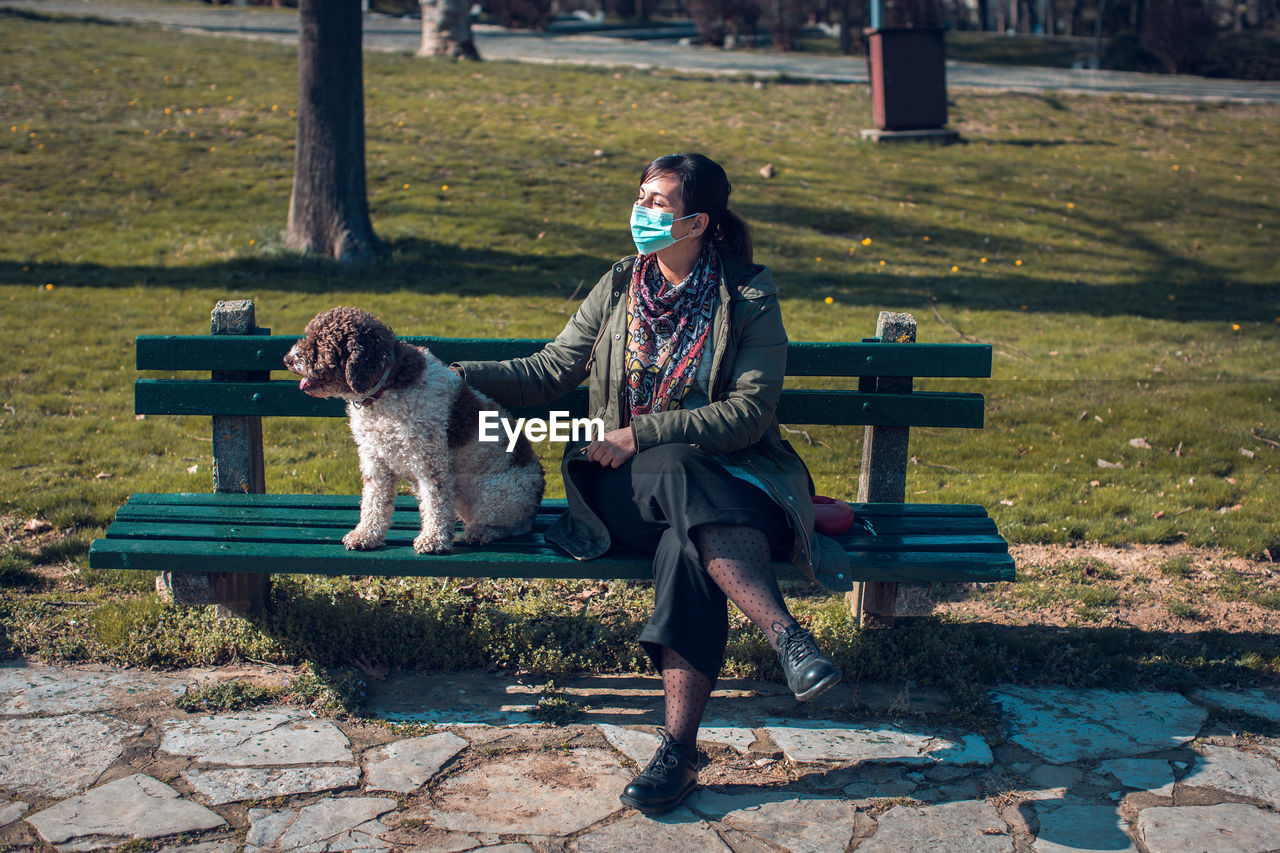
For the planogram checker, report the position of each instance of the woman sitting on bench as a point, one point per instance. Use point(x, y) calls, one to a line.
point(686, 352)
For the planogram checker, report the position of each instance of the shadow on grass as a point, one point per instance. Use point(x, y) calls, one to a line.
point(1162, 284)
point(407, 264)
point(419, 266)
point(1049, 143)
point(56, 18)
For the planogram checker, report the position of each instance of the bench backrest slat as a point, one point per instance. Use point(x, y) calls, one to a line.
point(797, 406)
point(804, 358)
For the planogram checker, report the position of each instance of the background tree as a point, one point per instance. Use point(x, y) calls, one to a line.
point(984, 14)
point(329, 209)
point(1179, 33)
point(851, 15)
point(446, 29)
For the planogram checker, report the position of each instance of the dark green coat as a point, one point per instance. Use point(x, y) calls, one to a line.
point(748, 362)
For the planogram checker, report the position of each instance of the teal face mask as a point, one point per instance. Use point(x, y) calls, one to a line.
point(651, 229)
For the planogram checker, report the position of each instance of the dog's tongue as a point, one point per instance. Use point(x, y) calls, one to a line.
point(304, 384)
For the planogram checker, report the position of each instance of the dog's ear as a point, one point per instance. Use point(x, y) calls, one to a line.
point(370, 349)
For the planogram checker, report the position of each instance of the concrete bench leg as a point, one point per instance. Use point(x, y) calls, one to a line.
point(235, 593)
point(882, 477)
point(237, 467)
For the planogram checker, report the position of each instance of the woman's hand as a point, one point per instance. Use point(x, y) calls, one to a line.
point(614, 449)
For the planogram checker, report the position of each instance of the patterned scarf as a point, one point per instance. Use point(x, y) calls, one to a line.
point(667, 330)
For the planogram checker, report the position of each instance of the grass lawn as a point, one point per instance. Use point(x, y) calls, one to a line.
point(1118, 254)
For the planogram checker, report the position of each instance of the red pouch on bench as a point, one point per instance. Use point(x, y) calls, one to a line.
point(830, 516)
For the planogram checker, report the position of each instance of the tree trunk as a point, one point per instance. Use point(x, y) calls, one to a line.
point(329, 209)
point(1097, 34)
point(446, 29)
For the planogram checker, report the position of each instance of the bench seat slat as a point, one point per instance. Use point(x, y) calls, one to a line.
point(797, 405)
point(343, 511)
point(403, 535)
point(398, 561)
point(804, 358)
point(408, 519)
point(407, 502)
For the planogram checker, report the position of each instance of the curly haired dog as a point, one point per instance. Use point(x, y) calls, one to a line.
point(414, 418)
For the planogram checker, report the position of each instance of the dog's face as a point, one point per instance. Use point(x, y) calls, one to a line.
point(345, 353)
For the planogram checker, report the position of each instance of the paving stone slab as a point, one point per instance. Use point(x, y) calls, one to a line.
point(136, 806)
point(1064, 726)
point(575, 789)
point(59, 756)
point(675, 832)
point(1153, 775)
point(887, 790)
point(1234, 771)
point(1051, 781)
point(465, 699)
point(1225, 828)
point(830, 741)
point(886, 781)
point(1258, 703)
point(336, 824)
point(258, 738)
point(738, 738)
point(634, 744)
point(967, 789)
point(1082, 829)
point(796, 822)
point(256, 783)
point(37, 689)
point(11, 811)
point(968, 826)
point(406, 765)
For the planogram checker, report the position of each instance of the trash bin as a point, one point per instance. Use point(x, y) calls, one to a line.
point(908, 78)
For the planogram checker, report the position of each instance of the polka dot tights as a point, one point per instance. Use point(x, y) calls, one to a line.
point(737, 559)
point(685, 692)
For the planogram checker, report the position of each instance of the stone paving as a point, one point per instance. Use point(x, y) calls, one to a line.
point(94, 757)
point(572, 45)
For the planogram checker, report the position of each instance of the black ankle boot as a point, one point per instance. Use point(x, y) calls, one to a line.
point(808, 671)
point(672, 773)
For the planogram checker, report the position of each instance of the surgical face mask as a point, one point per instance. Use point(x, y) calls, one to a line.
point(651, 229)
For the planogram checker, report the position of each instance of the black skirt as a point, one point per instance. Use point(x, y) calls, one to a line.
point(650, 504)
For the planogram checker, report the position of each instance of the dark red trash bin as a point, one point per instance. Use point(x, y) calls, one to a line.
point(908, 78)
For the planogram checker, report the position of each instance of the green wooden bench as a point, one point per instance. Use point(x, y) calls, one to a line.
point(219, 547)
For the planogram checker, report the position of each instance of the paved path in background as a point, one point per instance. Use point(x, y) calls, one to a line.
point(578, 48)
point(91, 757)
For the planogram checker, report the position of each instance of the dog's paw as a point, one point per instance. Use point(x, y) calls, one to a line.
point(426, 543)
point(362, 540)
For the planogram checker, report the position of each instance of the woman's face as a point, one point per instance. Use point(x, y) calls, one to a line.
point(661, 192)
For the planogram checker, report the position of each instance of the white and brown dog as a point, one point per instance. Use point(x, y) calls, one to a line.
point(415, 419)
